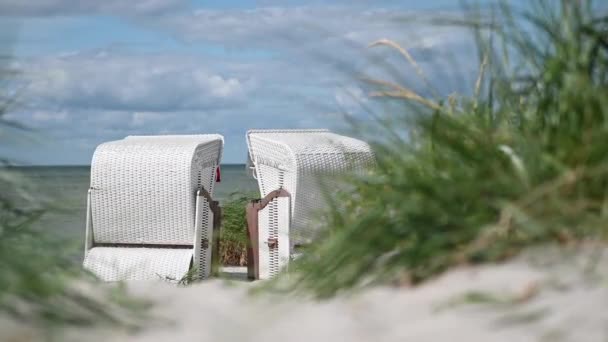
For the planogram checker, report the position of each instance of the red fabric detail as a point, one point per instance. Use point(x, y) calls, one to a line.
point(218, 174)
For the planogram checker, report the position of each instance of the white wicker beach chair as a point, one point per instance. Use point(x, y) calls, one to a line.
point(289, 166)
point(150, 212)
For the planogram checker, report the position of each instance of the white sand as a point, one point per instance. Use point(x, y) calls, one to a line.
point(549, 298)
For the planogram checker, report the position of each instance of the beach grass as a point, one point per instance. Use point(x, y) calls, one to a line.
point(467, 179)
point(233, 240)
point(40, 284)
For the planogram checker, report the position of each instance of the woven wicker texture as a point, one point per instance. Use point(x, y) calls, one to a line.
point(114, 264)
point(299, 161)
point(275, 218)
point(143, 191)
point(143, 188)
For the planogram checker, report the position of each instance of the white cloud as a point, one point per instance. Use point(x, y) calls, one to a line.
point(298, 27)
point(71, 7)
point(45, 117)
point(322, 44)
point(350, 97)
point(279, 68)
point(130, 82)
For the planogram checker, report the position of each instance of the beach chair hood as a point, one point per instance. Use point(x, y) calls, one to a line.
point(302, 163)
point(144, 209)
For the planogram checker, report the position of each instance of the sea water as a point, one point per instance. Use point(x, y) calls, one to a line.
point(63, 191)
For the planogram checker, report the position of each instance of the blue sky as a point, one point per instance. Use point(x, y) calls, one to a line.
point(93, 71)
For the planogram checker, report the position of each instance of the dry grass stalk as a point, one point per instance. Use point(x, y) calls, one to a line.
point(406, 95)
point(482, 68)
point(409, 58)
point(400, 92)
point(233, 254)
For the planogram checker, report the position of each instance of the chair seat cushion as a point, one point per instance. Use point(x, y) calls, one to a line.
point(136, 263)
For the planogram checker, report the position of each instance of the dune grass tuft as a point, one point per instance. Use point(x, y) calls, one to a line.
point(471, 179)
point(233, 241)
point(40, 283)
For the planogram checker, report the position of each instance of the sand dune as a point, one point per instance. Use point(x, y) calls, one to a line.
point(547, 296)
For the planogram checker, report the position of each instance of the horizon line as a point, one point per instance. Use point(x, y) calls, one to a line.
point(88, 165)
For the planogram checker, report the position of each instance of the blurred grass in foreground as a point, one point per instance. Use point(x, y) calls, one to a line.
point(39, 282)
point(523, 161)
